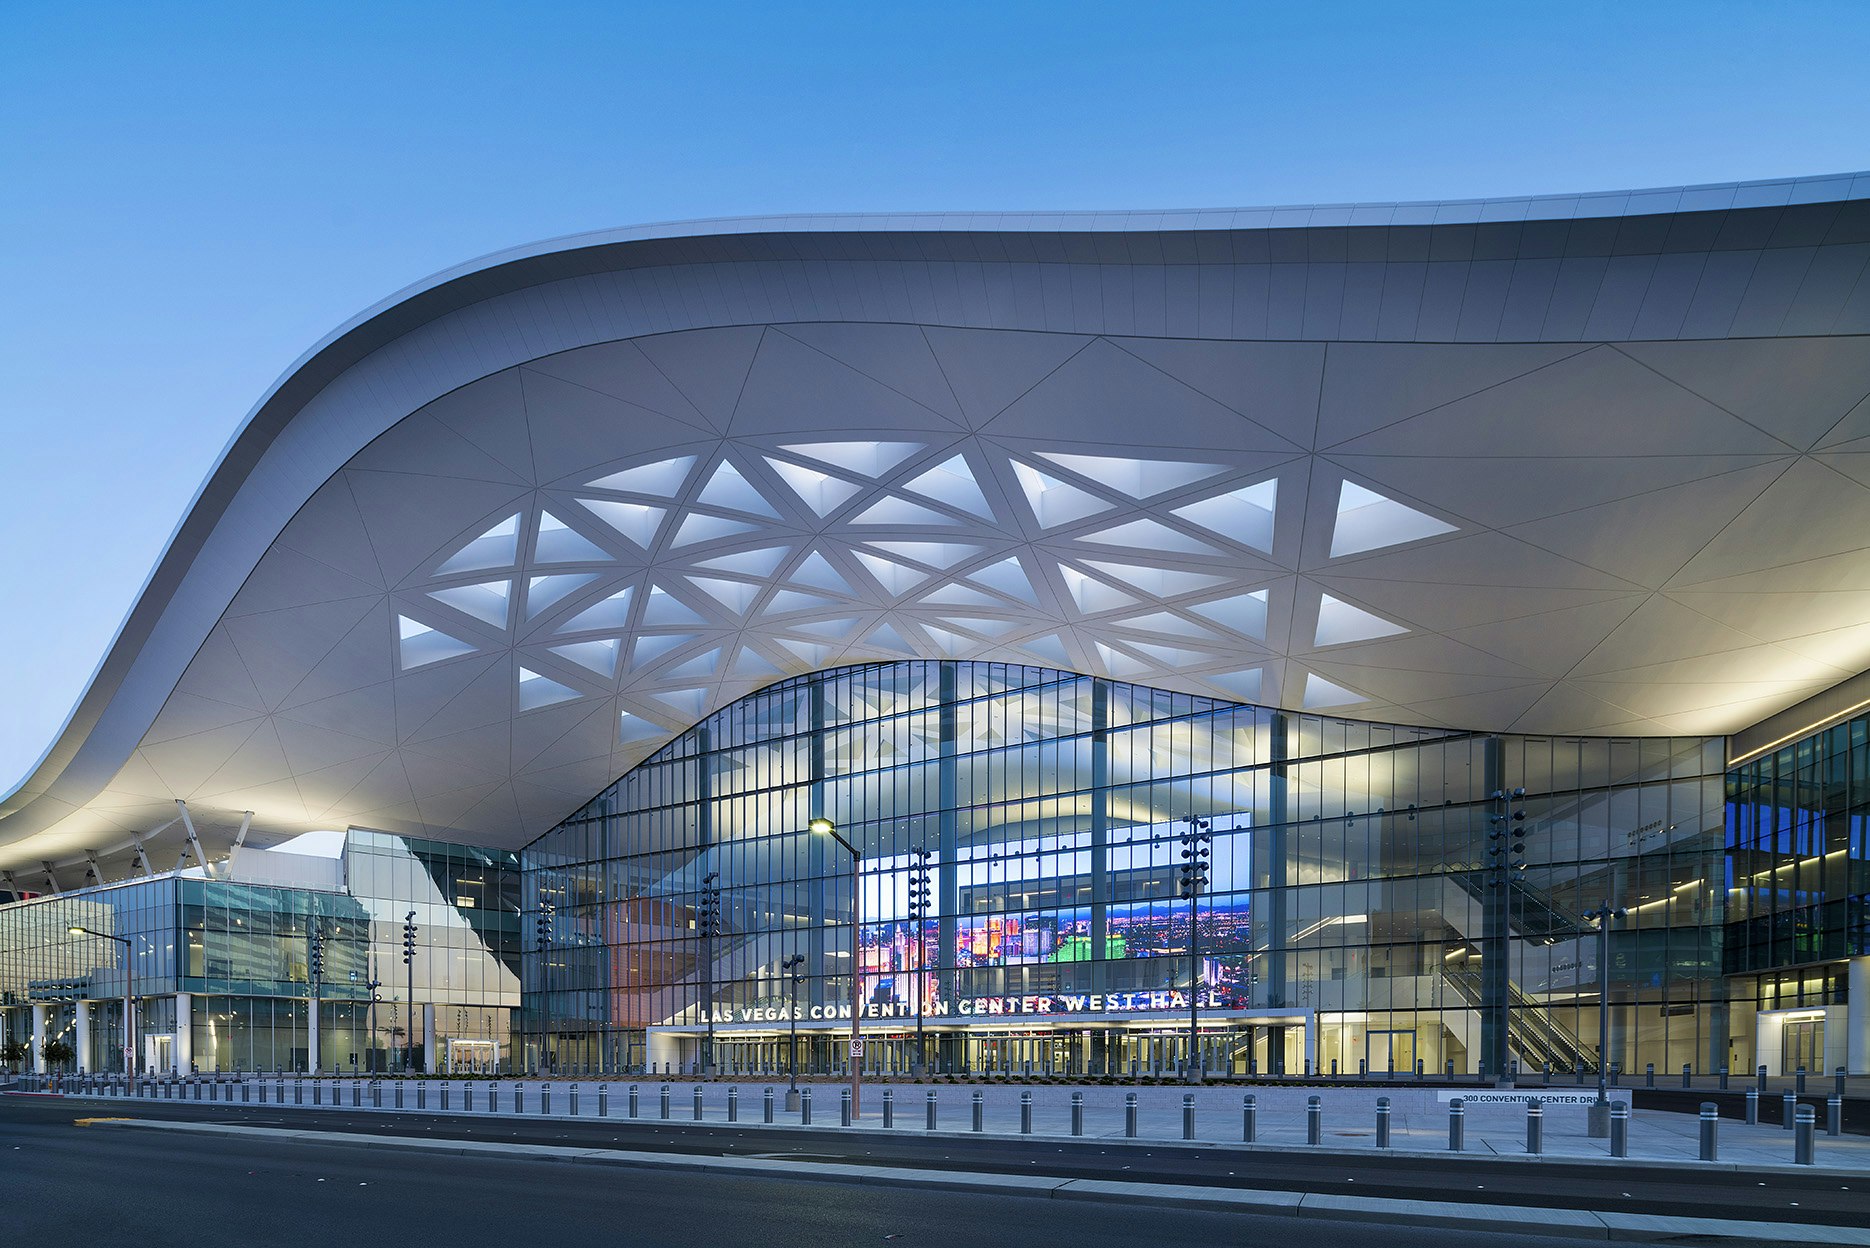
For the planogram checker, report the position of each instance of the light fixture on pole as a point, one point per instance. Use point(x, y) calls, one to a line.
point(822, 826)
point(1197, 850)
point(546, 912)
point(793, 966)
point(708, 921)
point(129, 992)
point(315, 966)
point(1599, 1124)
point(409, 964)
point(920, 900)
point(1506, 868)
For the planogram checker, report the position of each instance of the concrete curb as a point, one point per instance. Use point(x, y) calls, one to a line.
point(1577, 1223)
point(1476, 1151)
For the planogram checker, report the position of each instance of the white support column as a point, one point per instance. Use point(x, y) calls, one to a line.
point(240, 839)
point(428, 1037)
point(184, 1047)
point(50, 879)
point(311, 1037)
point(194, 841)
point(1857, 1029)
point(82, 1046)
point(38, 1038)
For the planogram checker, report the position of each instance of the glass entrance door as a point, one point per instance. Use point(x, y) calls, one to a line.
point(1388, 1051)
point(1803, 1046)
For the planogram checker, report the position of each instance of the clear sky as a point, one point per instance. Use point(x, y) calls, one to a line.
point(191, 194)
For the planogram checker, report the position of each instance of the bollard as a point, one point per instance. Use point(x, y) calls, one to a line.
point(1188, 1115)
point(662, 1101)
point(1649, 1075)
point(697, 1100)
point(1685, 1076)
point(1077, 1113)
point(1383, 1122)
point(1314, 1120)
point(979, 1110)
point(1723, 1078)
point(1788, 1107)
point(399, 1095)
point(1450, 1074)
point(298, 1091)
point(1619, 1129)
point(318, 1092)
point(889, 1107)
point(603, 1100)
point(444, 1097)
point(246, 1092)
point(572, 1099)
point(1249, 1118)
point(1798, 1081)
point(1025, 1113)
point(1804, 1151)
point(632, 1098)
point(1840, 1081)
point(1834, 1115)
point(805, 1107)
point(262, 1091)
point(519, 1098)
point(422, 1097)
point(1710, 1131)
point(1759, 1079)
point(1578, 1070)
point(1753, 1107)
point(931, 1109)
point(1457, 1125)
point(1535, 1126)
point(733, 1104)
point(766, 1106)
point(1129, 1115)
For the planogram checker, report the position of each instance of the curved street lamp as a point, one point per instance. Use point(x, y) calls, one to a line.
point(821, 826)
point(129, 991)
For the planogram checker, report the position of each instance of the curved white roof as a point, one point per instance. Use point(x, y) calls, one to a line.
point(1572, 465)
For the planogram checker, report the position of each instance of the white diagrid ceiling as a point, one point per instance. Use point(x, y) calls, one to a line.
point(520, 588)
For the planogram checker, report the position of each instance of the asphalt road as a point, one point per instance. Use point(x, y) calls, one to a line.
point(84, 1186)
point(1814, 1197)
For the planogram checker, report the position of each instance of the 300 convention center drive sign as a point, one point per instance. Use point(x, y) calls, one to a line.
point(985, 1007)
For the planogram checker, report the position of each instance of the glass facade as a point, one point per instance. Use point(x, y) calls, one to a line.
point(1798, 893)
point(1349, 916)
point(224, 972)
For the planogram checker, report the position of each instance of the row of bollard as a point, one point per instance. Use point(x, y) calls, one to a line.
point(1800, 1119)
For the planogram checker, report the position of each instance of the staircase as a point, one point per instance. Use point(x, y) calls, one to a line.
point(1531, 1031)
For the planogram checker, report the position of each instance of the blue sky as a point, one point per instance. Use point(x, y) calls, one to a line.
point(197, 192)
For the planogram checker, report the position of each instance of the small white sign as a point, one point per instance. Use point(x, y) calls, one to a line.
point(1518, 1098)
point(857, 1048)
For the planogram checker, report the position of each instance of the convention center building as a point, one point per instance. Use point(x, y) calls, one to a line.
point(1335, 638)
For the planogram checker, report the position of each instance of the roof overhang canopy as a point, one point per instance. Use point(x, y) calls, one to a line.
point(1593, 465)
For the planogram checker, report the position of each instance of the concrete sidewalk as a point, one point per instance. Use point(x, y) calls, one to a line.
point(1419, 1116)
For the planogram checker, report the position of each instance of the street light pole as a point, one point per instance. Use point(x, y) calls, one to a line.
point(709, 920)
point(409, 964)
point(791, 967)
point(919, 894)
point(1600, 1111)
point(129, 992)
point(824, 826)
point(315, 956)
point(370, 1039)
point(1197, 847)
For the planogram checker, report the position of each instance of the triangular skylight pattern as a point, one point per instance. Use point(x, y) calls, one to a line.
point(1367, 520)
point(498, 547)
point(820, 491)
point(1135, 478)
point(419, 645)
point(728, 489)
point(486, 601)
point(1244, 515)
point(537, 692)
point(952, 482)
point(662, 479)
point(870, 459)
point(1056, 502)
point(1321, 693)
point(639, 522)
point(544, 592)
point(558, 542)
point(599, 657)
point(612, 613)
point(1340, 623)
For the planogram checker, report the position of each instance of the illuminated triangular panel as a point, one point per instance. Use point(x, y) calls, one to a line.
point(952, 482)
point(1320, 693)
point(816, 572)
point(699, 527)
point(612, 612)
point(736, 596)
point(758, 562)
point(536, 691)
point(899, 512)
point(636, 728)
point(1244, 613)
point(1137, 478)
point(1339, 623)
point(662, 607)
point(1244, 515)
point(1093, 595)
point(1367, 520)
point(652, 647)
point(820, 491)
point(1158, 582)
point(894, 577)
point(486, 601)
point(1056, 502)
point(942, 555)
point(871, 459)
point(599, 656)
point(498, 547)
point(728, 489)
point(542, 592)
point(637, 522)
point(662, 479)
point(1009, 577)
point(419, 645)
point(1147, 534)
point(558, 542)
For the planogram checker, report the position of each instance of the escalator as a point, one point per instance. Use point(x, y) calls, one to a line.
point(1531, 1031)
